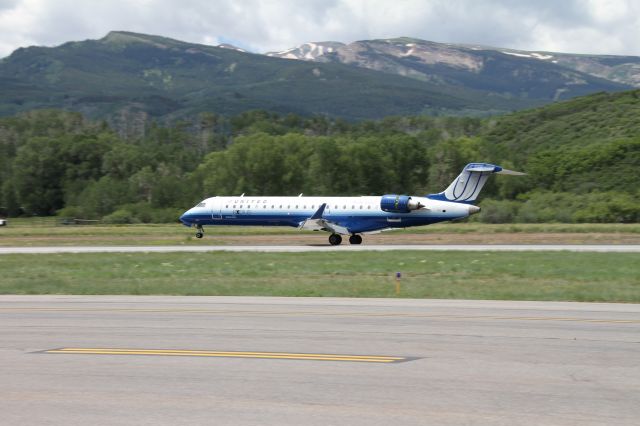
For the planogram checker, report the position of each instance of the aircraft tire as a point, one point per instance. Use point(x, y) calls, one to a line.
point(335, 239)
point(355, 239)
point(199, 235)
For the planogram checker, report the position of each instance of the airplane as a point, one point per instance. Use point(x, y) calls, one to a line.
point(351, 216)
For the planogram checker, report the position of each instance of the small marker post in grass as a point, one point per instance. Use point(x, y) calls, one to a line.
point(398, 276)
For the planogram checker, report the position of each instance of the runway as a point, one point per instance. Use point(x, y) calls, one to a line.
point(618, 248)
point(126, 360)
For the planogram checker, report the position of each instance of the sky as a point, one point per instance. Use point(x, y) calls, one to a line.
point(573, 26)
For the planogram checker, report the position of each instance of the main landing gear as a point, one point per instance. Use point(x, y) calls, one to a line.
point(335, 239)
point(355, 239)
point(199, 232)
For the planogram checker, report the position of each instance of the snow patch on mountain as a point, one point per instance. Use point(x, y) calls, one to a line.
point(308, 51)
point(533, 55)
point(541, 56)
point(230, 47)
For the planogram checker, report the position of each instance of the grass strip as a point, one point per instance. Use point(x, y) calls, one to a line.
point(24, 232)
point(561, 276)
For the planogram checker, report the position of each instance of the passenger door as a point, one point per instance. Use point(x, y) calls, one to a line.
point(216, 207)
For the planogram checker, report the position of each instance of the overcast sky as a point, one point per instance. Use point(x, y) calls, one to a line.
point(576, 26)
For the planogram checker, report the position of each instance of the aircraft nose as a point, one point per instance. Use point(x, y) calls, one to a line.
point(473, 210)
point(185, 219)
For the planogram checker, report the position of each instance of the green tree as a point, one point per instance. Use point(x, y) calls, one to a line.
point(448, 158)
point(38, 176)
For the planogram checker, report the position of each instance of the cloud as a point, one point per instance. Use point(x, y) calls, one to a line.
point(8, 4)
point(587, 26)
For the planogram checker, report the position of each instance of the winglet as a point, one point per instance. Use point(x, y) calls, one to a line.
point(318, 214)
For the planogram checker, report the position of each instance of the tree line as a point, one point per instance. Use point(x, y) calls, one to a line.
point(60, 163)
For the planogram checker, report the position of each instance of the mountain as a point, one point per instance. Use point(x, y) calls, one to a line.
point(619, 69)
point(129, 79)
point(519, 74)
point(622, 69)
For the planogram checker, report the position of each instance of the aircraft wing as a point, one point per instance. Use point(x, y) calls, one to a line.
point(317, 223)
point(377, 231)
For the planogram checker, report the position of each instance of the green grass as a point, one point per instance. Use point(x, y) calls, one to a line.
point(601, 277)
point(24, 232)
point(52, 224)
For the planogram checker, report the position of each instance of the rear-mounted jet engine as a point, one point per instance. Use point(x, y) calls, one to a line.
point(399, 204)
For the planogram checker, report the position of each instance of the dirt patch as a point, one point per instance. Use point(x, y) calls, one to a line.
point(321, 238)
point(390, 239)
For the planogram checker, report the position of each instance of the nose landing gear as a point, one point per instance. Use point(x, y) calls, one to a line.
point(199, 232)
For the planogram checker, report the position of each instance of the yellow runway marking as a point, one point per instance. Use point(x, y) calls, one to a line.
point(230, 354)
point(327, 314)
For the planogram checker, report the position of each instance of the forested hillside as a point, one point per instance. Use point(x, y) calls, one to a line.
point(582, 158)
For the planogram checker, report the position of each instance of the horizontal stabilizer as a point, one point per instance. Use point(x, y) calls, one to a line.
point(510, 172)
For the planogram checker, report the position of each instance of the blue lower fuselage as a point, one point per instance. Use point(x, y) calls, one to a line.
point(356, 224)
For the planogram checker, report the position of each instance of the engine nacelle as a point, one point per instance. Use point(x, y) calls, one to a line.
point(398, 204)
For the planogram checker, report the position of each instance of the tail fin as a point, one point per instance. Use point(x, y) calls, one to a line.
point(466, 187)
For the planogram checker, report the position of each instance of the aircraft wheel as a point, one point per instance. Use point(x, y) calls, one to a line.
point(199, 235)
point(355, 239)
point(335, 239)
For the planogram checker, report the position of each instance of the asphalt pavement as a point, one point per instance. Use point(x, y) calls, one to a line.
point(127, 360)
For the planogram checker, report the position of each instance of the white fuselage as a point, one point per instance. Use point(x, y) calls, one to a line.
point(355, 214)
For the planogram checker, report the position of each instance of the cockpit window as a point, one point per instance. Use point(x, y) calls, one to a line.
point(201, 204)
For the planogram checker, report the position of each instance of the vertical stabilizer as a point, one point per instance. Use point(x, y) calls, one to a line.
point(467, 186)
